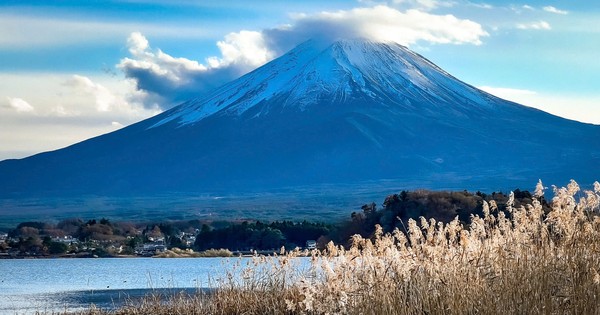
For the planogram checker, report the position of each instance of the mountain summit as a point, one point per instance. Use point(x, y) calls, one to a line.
point(340, 73)
point(345, 112)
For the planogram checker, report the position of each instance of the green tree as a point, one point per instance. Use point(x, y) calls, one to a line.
point(271, 238)
point(57, 248)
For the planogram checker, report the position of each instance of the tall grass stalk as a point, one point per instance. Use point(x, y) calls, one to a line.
point(523, 261)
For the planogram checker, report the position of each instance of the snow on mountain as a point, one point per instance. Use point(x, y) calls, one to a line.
point(308, 74)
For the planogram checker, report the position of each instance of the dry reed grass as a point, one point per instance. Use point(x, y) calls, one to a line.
point(521, 262)
point(188, 253)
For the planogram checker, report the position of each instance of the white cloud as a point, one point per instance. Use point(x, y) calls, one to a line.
point(164, 80)
point(158, 61)
point(527, 7)
point(104, 99)
point(383, 23)
point(245, 48)
point(539, 25)
point(19, 104)
point(552, 9)
point(138, 44)
point(167, 80)
point(117, 124)
point(388, 24)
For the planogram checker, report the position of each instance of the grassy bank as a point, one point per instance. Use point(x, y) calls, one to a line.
point(522, 261)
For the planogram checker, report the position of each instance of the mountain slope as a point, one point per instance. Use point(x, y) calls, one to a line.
point(344, 112)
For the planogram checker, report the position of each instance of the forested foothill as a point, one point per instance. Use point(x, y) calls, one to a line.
point(103, 237)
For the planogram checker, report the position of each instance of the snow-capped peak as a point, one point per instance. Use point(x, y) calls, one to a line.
point(343, 70)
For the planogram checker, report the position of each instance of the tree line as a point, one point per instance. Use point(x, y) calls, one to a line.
point(394, 212)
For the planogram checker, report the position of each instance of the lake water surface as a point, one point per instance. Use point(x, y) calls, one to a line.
point(29, 285)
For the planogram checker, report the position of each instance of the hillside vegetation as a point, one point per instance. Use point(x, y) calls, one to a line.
point(522, 261)
point(107, 237)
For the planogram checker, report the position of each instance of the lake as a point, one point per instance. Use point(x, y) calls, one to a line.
point(29, 285)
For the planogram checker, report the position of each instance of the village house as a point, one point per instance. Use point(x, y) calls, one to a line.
point(67, 239)
point(149, 249)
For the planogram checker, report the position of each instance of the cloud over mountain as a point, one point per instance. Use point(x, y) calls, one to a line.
point(170, 80)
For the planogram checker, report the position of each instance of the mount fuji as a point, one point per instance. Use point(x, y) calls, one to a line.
point(347, 112)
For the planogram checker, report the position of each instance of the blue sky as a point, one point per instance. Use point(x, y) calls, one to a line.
point(71, 70)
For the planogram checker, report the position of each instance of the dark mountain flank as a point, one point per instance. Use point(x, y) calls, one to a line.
point(341, 113)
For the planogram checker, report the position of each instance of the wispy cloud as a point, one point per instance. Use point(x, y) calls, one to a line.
point(28, 31)
point(486, 6)
point(104, 98)
point(539, 25)
point(521, 8)
point(117, 124)
point(528, 7)
point(552, 9)
point(61, 111)
point(19, 104)
point(425, 5)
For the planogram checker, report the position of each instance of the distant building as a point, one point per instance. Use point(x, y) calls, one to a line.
point(188, 239)
point(68, 239)
point(156, 238)
point(149, 249)
point(311, 244)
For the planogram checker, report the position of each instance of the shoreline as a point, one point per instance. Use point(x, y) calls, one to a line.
point(16, 257)
point(70, 256)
